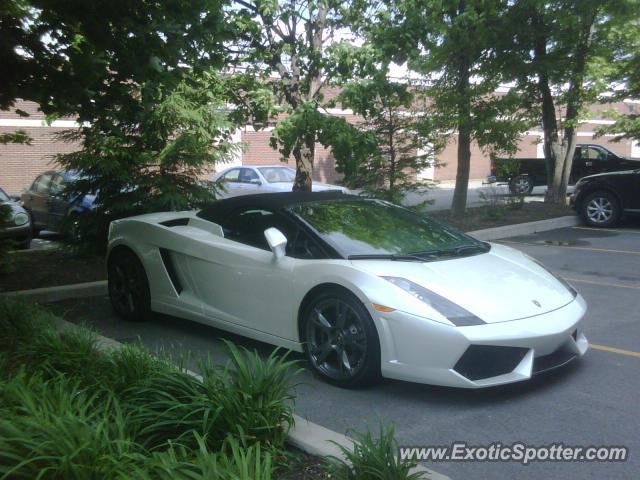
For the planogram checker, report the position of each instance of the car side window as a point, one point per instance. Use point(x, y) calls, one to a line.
point(304, 247)
point(595, 154)
point(231, 176)
point(247, 226)
point(41, 185)
point(247, 175)
point(57, 185)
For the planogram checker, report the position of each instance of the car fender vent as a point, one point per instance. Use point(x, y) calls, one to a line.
point(486, 361)
point(171, 270)
point(176, 222)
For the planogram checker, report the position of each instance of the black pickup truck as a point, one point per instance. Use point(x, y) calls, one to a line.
point(522, 174)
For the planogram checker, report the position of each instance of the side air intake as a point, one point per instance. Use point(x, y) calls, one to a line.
point(171, 269)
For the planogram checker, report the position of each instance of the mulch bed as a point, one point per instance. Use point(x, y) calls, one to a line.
point(479, 218)
point(49, 268)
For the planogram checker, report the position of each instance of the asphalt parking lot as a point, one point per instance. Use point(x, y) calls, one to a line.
point(592, 402)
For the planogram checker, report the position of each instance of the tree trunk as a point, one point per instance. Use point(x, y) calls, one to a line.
point(304, 154)
point(459, 204)
point(557, 191)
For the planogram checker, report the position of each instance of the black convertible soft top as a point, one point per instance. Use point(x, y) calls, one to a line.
point(271, 201)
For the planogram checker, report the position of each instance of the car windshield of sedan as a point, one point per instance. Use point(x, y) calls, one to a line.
point(278, 174)
point(360, 229)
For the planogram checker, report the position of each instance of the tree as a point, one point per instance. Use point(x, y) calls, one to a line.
point(153, 162)
point(562, 56)
point(450, 44)
point(400, 141)
point(287, 46)
point(143, 79)
point(624, 73)
point(80, 58)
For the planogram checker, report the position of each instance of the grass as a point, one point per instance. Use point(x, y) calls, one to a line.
point(71, 411)
point(372, 459)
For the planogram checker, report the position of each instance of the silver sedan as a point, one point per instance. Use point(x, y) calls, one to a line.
point(246, 180)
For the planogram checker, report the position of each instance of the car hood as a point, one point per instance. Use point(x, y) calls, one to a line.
point(497, 286)
point(611, 174)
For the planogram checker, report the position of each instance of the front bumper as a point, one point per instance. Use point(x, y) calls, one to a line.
point(19, 234)
point(420, 350)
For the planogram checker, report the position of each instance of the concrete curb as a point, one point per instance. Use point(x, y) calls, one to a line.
point(304, 435)
point(525, 228)
point(62, 292)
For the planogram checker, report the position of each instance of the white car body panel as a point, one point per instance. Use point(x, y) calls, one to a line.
point(250, 292)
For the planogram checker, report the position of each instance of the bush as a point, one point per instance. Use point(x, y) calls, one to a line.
point(372, 459)
point(68, 410)
point(51, 428)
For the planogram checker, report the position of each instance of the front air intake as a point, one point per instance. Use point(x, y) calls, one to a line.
point(486, 361)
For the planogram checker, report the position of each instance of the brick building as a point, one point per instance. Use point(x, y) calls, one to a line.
point(20, 164)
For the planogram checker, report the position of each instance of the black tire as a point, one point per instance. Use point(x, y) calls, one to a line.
point(340, 339)
point(128, 286)
point(600, 209)
point(521, 185)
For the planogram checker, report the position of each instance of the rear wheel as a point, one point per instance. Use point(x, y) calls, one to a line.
point(600, 209)
point(128, 286)
point(341, 341)
point(521, 185)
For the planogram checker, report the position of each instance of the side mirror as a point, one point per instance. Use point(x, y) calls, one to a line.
point(255, 181)
point(276, 240)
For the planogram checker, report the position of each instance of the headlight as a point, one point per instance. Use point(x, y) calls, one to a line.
point(454, 313)
point(566, 284)
point(20, 219)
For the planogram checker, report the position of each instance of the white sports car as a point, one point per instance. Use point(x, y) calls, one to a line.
point(365, 288)
point(250, 180)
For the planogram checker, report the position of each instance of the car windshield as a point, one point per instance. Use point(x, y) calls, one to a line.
point(4, 197)
point(278, 174)
point(363, 229)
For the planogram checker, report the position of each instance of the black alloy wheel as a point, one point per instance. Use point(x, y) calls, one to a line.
point(341, 341)
point(128, 286)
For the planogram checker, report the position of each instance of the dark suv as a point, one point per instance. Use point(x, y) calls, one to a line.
point(49, 206)
point(602, 200)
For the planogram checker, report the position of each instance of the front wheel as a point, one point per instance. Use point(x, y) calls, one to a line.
point(521, 185)
point(128, 286)
point(600, 209)
point(341, 341)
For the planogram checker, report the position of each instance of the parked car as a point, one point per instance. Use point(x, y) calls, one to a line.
point(522, 174)
point(263, 179)
point(18, 226)
point(602, 200)
point(50, 206)
point(364, 287)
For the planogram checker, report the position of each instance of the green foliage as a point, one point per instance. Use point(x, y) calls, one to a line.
point(292, 40)
point(451, 45)
point(19, 137)
point(151, 161)
point(372, 459)
point(68, 410)
point(54, 429)
point(396, 140)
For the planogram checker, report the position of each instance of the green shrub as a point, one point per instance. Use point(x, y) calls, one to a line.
point(255, 395)
point(50, 428)
point(179, 463)
point(372, 459)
